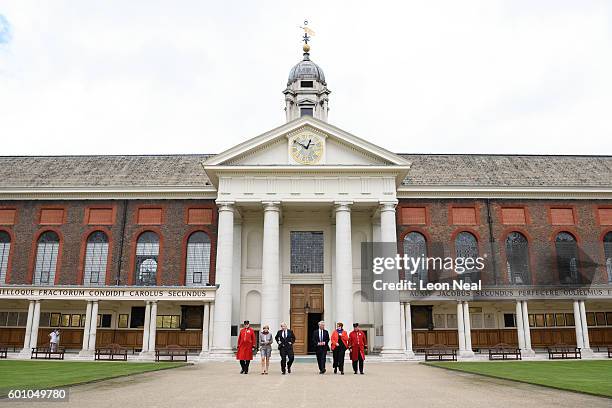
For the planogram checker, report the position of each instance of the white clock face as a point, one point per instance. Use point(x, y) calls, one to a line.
point(307, 148)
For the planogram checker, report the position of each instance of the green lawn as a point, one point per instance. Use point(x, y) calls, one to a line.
point(586, 376)
point(45, 374)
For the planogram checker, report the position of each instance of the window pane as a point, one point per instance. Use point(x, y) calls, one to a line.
point(122, 323)
point(569, 319)
point(560, 319)
point(509, 320)
point(307, 252)
point(46, 258)
point(415, 247)
point(96, 258)
point(567, 258)
point(517, 258)
point(466, 246)
point(147, 252)
point(5, 249)
point(198, 259)
point(550, 320)
point(590, 317)
point(607, 243)
point(600, 318)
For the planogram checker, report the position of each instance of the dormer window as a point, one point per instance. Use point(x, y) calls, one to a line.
point(307, 84)
point(306, 111)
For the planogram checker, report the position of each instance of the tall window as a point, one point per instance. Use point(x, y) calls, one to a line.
point(96, 259)
point(415, 247)
point(567, 258)
point(198, 259)
point(517, 258)
point(466, 246)
point(5, 249)
point(46, 258)
point(147, 255)
point(607, 243)
point(306, 252)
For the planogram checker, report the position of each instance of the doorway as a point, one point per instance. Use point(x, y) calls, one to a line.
point(306, 312)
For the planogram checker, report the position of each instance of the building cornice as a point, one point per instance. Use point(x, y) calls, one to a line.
point(108, 193)
point(584, 193)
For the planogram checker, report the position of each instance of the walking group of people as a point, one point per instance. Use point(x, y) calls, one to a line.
point(340, 339)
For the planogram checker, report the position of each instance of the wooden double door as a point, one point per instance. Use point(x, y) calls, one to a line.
point(306, 311)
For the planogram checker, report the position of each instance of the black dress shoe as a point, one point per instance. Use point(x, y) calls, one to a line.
point(289, 370)
point(355, 372)
point(283, 372)
point(335, 370)
point(241, 371)
point(361, 373)
point(324, 371)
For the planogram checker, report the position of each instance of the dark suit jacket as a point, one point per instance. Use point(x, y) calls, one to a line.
point(285, 343)
point(315, 339)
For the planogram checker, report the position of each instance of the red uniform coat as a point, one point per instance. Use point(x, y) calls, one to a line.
point(334, 339)
point(357, 343)
point(246, 342)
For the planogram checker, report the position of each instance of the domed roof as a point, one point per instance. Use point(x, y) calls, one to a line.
point(306, 69)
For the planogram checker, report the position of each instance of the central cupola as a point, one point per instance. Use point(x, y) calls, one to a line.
point(306, 93)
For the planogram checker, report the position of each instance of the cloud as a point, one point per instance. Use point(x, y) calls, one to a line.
point(5, 30)
point(142, 77)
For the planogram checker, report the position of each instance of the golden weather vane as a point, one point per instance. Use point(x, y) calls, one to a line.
point(307, 34)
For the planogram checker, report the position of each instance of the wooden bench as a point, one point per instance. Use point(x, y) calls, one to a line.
point(564, 352)
point(503, 351)
point(47, 354)
point(440, 352)
point(171, 351)
point(3, 351)
point(111, 352)
point(609, 351)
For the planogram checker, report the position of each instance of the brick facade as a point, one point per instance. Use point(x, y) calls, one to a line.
point(440, 231)
point(123, 233)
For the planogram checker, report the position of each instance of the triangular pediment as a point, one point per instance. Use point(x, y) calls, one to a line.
point(272, 148)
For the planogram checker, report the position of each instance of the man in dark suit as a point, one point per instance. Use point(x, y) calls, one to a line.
point(320, 339)
point(285, 339)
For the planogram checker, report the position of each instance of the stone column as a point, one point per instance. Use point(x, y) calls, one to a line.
point(468, 330)
point(153, 327)
point(403, 325)
point(585, 329)
point(527, 330)
point(28, 331)
point(222, 339)
point(578, 324)
point(93, 328)
point(270, 277)
point(147, 326)
point(520, 333)
point(460, 327)
point(408, 325)
point(392, 346)
point(85, 347)
point(35, 324)
point(211, 326)
point(205, 329)
point(344, 266)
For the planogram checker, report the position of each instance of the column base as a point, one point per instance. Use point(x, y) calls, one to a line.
point(393, 354)
point(86, 353)
point(466, 354)
point(586, 353)
point(25, 353)
point(527, 353)
point(410, 355)
point(146, 356)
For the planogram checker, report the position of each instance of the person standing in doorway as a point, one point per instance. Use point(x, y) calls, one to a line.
point(320, 339)
point(339, 345)
point(246, 343)
point(265, 348)
point(285, 339)
point(357, 344)
point(54, 338)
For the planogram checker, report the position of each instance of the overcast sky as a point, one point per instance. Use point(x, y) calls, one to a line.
point(130, 77)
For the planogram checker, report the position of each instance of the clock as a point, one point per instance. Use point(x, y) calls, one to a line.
point(306, 148)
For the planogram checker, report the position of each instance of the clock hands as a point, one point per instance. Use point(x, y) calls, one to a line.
point(304, 146)
point(309, 143)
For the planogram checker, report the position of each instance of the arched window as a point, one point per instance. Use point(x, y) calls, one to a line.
point(517, 258)
point(198, 259)
point(46, 258)
point(96, 259)
point(415, 247)
point(466, 246)
point(607, 243)
point(147, 255)
point(567, 258)
point(5, 250)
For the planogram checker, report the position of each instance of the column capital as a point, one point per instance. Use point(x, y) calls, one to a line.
point(226, 206)
point(271, 205)
point(387, 205)
point(342, 205)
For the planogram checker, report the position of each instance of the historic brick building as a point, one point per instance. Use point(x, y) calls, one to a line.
point(147, 251)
